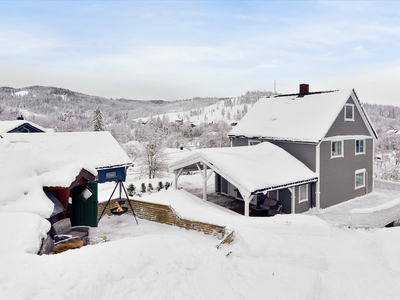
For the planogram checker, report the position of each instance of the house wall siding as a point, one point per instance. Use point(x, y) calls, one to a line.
point(337, 180)
point(303, 152)
point(306, 205)
point(237, 142)
point(341, 127)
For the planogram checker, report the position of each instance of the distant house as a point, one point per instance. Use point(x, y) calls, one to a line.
point(311, 149)
point(21, 126)
point(69, 166)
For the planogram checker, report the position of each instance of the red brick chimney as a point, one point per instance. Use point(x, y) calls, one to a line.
point(304, 88)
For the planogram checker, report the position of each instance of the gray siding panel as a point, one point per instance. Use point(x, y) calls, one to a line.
point(342, 127)
point(337, 181)
point(304, 152)
point(237, 142)
point(306, 205)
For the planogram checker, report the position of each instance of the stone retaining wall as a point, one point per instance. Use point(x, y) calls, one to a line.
point(164, 214)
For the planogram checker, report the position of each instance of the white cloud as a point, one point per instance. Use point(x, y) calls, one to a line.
point(18, 41)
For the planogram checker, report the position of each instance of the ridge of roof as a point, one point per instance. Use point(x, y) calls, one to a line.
point(302, 95)
point(283, 118)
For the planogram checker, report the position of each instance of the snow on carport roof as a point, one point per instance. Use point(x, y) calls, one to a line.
point(306, 118)
point(251, 168)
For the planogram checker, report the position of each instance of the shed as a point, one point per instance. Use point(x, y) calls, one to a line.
point(67, 164)
point(21, 126)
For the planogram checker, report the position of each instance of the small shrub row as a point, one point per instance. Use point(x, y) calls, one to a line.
point(149, 188)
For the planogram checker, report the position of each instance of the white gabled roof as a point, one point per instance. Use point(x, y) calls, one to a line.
point(6, 126)
point(293, 118)
point(97, 149)
point(251, 169)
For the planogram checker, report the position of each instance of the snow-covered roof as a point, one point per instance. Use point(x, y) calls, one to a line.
point(97, 149)
point(29, 162)
point(251, 169)
point(7, 126)
point(306, 118)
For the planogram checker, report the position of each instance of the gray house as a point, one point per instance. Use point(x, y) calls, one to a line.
point(322, 155)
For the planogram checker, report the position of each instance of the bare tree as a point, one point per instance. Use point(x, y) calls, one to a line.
point(150, 151)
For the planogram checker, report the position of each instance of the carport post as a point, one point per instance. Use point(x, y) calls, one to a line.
point(293, 198)
point(247, 205)
point(205, 177)
point(177, 174)
point(204, 182)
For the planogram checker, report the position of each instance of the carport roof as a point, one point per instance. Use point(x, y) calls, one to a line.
point(251, 169)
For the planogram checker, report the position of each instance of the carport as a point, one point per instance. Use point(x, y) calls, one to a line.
point(251, 169)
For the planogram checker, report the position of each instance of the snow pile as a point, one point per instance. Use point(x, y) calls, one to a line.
point(21, 232)
point(26, 170)
point(389, 244)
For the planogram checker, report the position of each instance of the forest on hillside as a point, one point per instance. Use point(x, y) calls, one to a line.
point(144, 121)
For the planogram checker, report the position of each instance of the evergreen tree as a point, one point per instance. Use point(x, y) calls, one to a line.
point(97, 120)
point(143, 187)
point(131, 190)
point(149, 187)
point(160, 186)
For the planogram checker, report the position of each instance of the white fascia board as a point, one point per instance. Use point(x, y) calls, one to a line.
point(347, 137)
point(184, 162)
point(364, 116)
point(275, 139)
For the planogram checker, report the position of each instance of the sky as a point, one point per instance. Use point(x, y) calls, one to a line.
point(173, 50)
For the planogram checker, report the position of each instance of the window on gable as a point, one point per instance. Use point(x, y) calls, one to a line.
point(360, 147)
point(337, 149)
point(303, 193)
point(360, 178)
point(349, 112)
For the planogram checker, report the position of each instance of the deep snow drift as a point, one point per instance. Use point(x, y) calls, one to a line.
point(284, 257)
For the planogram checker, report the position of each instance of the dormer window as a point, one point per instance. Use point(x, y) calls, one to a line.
point(349, 112)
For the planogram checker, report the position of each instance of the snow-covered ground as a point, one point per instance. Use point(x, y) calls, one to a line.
point(284, 257)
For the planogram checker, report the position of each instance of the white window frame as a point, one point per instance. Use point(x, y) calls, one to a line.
point(254, 142)
point(299, 193)
point(357, 172)
point(342, 148)
point(352, 112)
point(363, 146)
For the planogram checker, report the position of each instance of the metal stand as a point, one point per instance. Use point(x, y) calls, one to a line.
point(121, 186)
